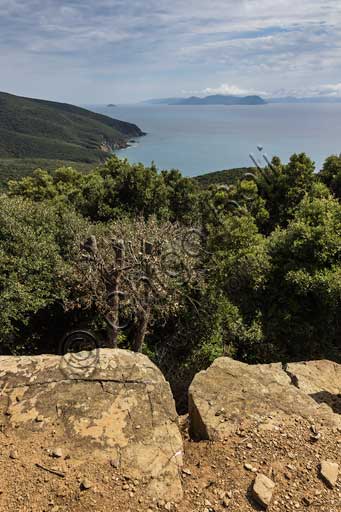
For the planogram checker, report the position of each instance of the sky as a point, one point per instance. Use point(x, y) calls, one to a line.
point(123, 51)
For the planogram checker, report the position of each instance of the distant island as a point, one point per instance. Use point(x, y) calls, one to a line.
point(111, 105)
point(31, 128)
point(216, 99)
point(221, 99)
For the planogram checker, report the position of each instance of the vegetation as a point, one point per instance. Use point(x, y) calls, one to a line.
point(14, 168)
point(31, 128)
point(157, 262)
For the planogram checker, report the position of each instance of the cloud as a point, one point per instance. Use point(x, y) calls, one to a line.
point(226, 89)
point(125, 50)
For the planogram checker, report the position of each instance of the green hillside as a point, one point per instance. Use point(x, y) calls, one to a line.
point(226, 177)
point(31, 128)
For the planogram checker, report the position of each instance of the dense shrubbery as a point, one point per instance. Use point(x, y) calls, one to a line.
point(263, 282)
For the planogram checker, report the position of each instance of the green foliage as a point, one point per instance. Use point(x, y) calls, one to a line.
point(36, 250)
point(269, 259)
point(303, 292)
point(113, 190)
point(331, 174)
point(16, 168)
point(283, 187)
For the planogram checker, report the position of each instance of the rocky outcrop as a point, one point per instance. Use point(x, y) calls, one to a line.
point(119, 408)
point(231, 393)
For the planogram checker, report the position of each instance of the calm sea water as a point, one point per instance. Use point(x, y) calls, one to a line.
point(200, 139)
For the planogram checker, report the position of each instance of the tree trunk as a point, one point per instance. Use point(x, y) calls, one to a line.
point(141, 330)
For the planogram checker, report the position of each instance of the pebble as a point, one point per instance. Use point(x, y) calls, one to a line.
point(85, 484)
point(57, 453)
point(13, 454)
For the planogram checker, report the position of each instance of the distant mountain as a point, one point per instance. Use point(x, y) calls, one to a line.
point(31, 128)
point(217, 99)
point(111, 105)
point(313, 99)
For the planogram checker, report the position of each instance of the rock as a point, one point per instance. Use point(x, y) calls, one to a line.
point(57, 453)
point(321, 380)
point(85, 484)
point(100, 407)
point(115, 463)
point(247, 393)
point(13, 454)
point(329, 472)
point(262, 490)
point(314, 377)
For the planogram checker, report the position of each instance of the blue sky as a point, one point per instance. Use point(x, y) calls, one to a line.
point(99, 51)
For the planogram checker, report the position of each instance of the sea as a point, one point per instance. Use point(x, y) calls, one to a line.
point(202, 139)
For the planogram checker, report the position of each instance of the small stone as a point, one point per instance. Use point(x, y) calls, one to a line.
point(39, 419)
point(13, 454)
point(329, 472)
point(315, 437)
point(263, 489)
point(85, 484)
point(248, 466)
point(168, 506)
point(57, 453)
point(115, 463)
point(187, 471)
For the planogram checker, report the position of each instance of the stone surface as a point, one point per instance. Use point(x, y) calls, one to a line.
point(230, 393)
point(262, 490)
point(329, 472)
point(94, 410)
point(319, 379)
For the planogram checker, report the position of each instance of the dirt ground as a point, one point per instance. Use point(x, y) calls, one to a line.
point(216, 476)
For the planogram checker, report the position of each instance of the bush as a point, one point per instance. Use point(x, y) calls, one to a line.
point(37, 244)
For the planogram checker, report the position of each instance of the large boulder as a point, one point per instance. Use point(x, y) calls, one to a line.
point(231, 393)
point(119, 408)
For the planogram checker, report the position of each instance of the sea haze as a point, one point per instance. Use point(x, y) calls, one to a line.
point(200, 139)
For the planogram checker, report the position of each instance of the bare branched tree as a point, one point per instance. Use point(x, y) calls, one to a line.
point(137, 269)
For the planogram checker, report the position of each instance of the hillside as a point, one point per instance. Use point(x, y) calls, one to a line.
point(216, 99)
point(225, 177)
point(31, 128)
